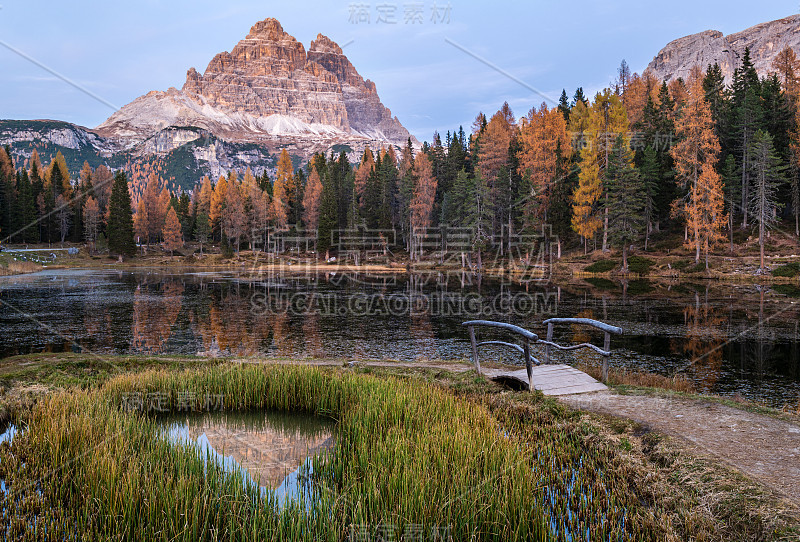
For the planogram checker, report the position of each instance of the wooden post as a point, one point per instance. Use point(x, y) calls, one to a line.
point(474, 349)
point(526, 351)
point(607, 348)
point(549, 339)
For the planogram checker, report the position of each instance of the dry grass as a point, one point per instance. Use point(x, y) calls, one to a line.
point(625, 377)
point(18, 268)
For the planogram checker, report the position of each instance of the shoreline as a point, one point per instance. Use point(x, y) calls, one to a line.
point(660, 266)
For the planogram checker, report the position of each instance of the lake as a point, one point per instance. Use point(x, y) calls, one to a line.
point(726, 338)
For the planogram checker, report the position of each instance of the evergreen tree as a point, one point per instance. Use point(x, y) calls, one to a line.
point(120, 221)
point(563, 105)
point(746, 119)
point(768, 175)
point(627, 200)
point(202, 229)
point(717, 98)
point(650, 176)
point(565, 181)
point(579, 97)
point(731, 182)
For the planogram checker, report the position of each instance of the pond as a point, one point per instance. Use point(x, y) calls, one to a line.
point(726, 338)
point(273, 450)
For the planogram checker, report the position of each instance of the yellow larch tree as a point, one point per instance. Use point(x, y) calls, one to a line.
point(605, 120)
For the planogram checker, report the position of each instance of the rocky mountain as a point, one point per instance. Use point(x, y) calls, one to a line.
point(267, 90)
point(268, 93)
point(765, 41)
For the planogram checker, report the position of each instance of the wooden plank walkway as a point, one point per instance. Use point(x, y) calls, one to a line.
point(549, 379)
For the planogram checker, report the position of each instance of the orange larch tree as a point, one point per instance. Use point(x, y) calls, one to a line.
point(695, 155)
point(493, 145)
point(218, 204)
point(363, 172)
point(234, 216)
point(281, 190)
point(541, 133)
point(311, 200)
point(172, 231)
point(422, 201)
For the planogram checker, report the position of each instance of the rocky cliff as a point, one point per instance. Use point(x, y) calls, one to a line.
point(765, 41)
point(266, 90)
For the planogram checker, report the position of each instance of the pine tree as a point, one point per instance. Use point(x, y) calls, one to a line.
point(120, 222)
point(768, 175)
point(627, 200)
point(563, 105)
point(579, 98)
point(650, 174)
point(731, 186)
point(171, 232)
point(202, 229)
point(747, 119)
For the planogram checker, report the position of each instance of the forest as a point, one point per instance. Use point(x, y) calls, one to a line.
point(711, 162)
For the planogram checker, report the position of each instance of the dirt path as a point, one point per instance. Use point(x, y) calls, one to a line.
point(765, 448)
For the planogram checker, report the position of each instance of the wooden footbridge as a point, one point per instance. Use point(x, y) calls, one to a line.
point(549, 378)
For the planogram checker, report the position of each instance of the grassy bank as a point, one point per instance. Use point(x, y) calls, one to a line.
point(414, 447)
point(10, 266)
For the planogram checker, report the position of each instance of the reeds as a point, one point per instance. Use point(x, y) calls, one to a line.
point(409, 459)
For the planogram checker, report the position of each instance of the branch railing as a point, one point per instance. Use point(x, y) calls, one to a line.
point(607, 330)
point(529, 338)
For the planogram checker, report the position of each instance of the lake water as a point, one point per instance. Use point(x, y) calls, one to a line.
point(728, 339)
point(274, 450)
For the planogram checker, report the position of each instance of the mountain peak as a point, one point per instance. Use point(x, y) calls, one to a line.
point(268, 29)
point(323, 44)
point(267, 87)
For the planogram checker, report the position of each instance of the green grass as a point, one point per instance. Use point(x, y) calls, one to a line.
point(789, 270)
point(407, 453)
point(602, 266)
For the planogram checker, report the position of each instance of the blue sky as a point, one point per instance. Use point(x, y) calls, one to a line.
point(426, 72)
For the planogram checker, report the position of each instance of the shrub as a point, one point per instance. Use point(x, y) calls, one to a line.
point(602, 266)
point(640, 264)
point(789, 270)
